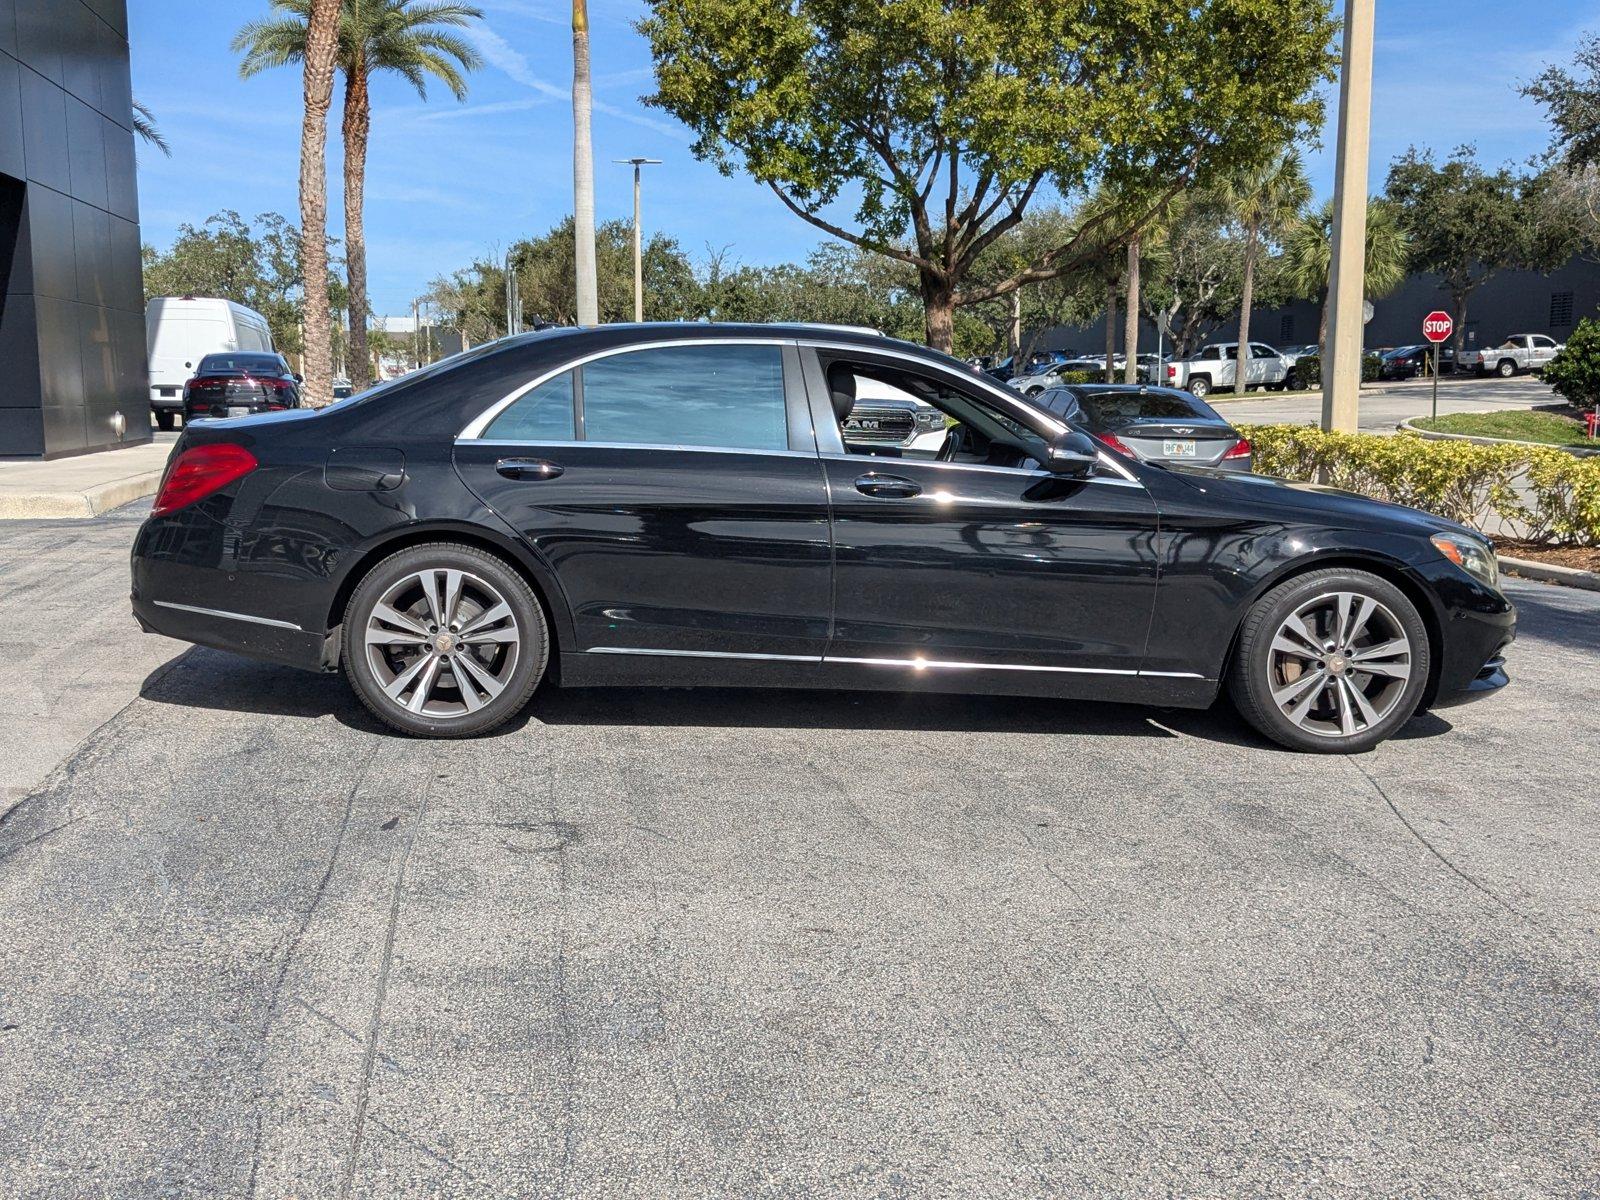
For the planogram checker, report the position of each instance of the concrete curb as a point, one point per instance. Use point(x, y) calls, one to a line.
point(1589, 581)
point(1434, 435)
point(91, 502)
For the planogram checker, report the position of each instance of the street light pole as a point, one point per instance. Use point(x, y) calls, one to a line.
point(638, 243)
point(1341, 363)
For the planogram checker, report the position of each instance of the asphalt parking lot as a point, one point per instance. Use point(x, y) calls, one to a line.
point(776, 944)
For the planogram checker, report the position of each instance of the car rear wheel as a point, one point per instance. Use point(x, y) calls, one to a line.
point(444, 640)
point(1506, 369)
point(1333, 662)
point(1199, 387)
point(166, 420)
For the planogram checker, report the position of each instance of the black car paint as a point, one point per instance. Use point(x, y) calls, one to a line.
point(1139, 588)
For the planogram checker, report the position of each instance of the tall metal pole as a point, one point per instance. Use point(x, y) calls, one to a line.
point(1341, 364)
point(638, 236)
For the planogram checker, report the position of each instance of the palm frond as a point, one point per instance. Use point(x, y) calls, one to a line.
point(144, 125)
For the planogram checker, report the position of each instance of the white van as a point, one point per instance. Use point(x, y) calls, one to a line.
point(180, 330)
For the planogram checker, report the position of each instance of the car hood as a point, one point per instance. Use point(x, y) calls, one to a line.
point(1314, 500)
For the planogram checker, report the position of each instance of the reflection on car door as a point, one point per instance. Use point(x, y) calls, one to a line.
point(989, 565)
point(676, 495)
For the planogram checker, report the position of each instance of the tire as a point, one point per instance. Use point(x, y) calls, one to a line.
point(1199, 387)
point(1272, 679)
point(166, 420)
point(391, 647)
point(1506, 369)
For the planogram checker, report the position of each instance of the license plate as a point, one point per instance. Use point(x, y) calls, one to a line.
point(1183, 448)
point(237, 410)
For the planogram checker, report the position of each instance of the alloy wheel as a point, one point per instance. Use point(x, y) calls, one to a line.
point(442, 643)
point(1339, 664)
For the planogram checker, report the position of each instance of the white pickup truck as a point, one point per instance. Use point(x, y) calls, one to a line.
point(1214, 367)
point(1519, 352)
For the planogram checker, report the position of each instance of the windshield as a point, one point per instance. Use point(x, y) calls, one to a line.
point(1105, 410)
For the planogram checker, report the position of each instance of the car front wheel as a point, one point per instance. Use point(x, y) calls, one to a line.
point(444, 640)
point(1332, 662)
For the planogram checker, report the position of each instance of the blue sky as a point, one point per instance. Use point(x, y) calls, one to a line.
point(449, 181)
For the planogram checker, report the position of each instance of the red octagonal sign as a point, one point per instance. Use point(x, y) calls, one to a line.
point(1437, 326)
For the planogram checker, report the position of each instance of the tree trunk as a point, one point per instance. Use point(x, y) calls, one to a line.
point(1111, 330)
point(1014, 326)
point(588, 288)
point(1247, 297)
point(1130, 328)
point(1461, 322)
point(939, 308)
point(321, 57)
point(357, 127)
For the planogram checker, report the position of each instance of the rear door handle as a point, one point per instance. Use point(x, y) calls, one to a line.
point(893, 486)
point(529, 469)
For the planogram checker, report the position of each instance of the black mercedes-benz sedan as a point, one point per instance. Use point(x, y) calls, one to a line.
point(1156, 424)
point(675, 504)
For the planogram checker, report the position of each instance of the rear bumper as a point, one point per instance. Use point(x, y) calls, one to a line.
point(162, 403)
point(239, 633)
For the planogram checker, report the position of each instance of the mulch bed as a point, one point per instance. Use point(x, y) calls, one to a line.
point(1584, 558)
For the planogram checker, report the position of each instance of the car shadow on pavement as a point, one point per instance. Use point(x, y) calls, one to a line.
point(212, 680)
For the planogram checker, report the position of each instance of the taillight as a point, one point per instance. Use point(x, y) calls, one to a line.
point(1172, 372)
point(1240, 449)
point(200, 471)
point(1116, 444)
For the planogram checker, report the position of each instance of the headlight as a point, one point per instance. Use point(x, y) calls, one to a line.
point(929, 420)
point(1474, 557)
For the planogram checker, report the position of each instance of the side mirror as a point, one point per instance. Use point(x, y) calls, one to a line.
point(1073, 455)
point(299, 378)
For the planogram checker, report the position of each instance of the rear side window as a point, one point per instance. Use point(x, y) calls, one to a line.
point(728, 396)
point(541, 415)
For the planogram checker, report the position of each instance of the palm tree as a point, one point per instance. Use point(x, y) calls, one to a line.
point(583, 169)
point(146, 129)
point(1264, 203)
point(1308, 256)
point(411, 38)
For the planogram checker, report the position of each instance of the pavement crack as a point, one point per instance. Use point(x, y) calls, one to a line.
point(1470, 880)
point(417, 1144)
point(275, 1001)
point(37, 838)
point(375, 1025)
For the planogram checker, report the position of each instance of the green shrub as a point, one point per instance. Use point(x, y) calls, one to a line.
point(1543, 493)
point(1575, 372)
point(1081, 377)
point(1307, 370)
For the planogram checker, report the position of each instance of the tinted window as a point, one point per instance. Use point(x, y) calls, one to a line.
point(730, 396)
point(542, 415)
point(1109, 410)
point(1260, 351)
point(256, 364)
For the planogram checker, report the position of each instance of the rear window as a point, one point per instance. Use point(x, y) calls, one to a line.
point(1108, 409)
point(255, 364)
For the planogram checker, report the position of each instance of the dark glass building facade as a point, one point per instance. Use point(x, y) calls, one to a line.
point(72, 345)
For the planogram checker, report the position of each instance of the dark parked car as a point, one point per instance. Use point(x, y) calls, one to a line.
point(1154, 424)
point(675, 505)
point(1408, 362)
point(240, 384)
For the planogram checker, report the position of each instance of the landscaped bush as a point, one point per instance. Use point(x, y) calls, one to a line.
point(1575, 372)
point(1543, 494)
point(1307, 370)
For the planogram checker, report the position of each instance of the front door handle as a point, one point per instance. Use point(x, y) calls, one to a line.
point(530, 469)
point(893, 486)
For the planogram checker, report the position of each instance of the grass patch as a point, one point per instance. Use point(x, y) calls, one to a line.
point(1546, 428)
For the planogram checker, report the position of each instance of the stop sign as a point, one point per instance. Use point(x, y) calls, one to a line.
point(1437, 326)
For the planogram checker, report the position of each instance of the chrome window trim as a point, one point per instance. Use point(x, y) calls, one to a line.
point(886, 463)
point(918, 664)
point(566, 443)
point(231, 616)
point(473, 430)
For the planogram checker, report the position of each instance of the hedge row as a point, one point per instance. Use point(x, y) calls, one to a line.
point(1536, 492)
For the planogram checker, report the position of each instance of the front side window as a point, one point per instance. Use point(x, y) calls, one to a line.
point(543, 414)
point(723, 396)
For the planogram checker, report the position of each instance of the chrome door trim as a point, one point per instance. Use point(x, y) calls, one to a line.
point(570, 442)
point(231, 616)
point(918, 664)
